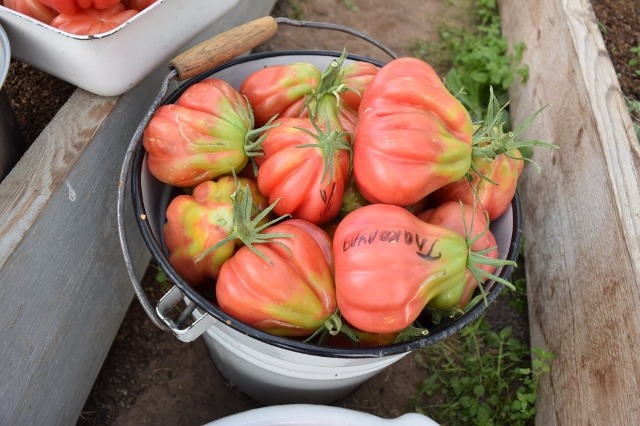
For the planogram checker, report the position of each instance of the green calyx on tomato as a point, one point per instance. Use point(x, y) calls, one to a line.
point(306, 167)
point(422, 262)
point(202, 135)
point(246, 227)
point(287, 292)
point(472, 223)
point(201, 219)
point(300, 89)
point(490, 139)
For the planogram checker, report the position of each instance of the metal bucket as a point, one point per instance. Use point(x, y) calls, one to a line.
point(11, 140)
point(267, 368)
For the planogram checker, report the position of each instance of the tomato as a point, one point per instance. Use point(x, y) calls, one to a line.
point(389, 264)
point(201, 136)
point(97, 4)
point(93, 21)
point(197, 222)
point(280, 90)
point(289, 292)
point(493, 184)
point(139, 5)
point(351, 199)
point(306, 168)
point(464, 219)
point(70, 7)
point(293, 90)
point(412, 135)
point(35, 9)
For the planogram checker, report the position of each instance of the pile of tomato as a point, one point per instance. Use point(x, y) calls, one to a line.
point(80, 17)
point(349, 199)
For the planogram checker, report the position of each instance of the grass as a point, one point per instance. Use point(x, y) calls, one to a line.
point(482, 377)
point(634, 109)
point(476, 58)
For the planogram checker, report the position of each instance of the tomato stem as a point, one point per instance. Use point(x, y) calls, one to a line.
point(328, 141)
point(490, 139)
point(246, 229)
point(480, 257)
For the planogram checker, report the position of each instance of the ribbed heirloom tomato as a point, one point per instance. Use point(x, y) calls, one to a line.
point(412, 135)
point(469, 221)
point(92, 20)
point(306, 167)
point(70, 7)
point(197, 222)
point(36, 9)
point(289, 290)
point(201, 136)
point(390, 264)
point(300, 90)
point(492, 186)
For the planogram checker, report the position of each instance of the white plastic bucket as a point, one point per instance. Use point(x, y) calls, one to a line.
point(267, 368)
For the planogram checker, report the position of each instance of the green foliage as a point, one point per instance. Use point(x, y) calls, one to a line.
point(634, 109)
point(475, 58)
point(635, 60)
point(349, 4)
point(297, 12)
point(481, 377)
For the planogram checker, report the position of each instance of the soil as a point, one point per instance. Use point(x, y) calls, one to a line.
point(151, 377)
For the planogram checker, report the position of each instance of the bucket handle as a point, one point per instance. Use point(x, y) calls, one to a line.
point(200, 58)
point(193, 331)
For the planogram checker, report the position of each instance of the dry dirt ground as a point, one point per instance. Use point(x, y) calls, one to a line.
point(151, 377)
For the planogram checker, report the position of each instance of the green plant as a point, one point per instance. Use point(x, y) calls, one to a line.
point(297, 12)
point(349, 4)
point(634, 109)
point(475, 57)
point(635, 60)
point(481, 377)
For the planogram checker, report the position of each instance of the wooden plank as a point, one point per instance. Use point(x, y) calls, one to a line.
point(581, 216)
point(63, 284)
point(26, 191)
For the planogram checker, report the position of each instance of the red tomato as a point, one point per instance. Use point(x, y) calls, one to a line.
point(62, 6)
point(97, 4)
point(494, 191)
point(198, 222)
point(35, 9)
point(93, 21)
point(287, 91)
point(390, 264)
point(290, 294)
point(304, 169)
point(70, 7)
point(412, 136)
point(476, 224)
point(280, 90)
point(201, 136)
point(139, 5)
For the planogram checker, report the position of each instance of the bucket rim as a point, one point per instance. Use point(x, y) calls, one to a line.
point(156, 248)
point(5, 55)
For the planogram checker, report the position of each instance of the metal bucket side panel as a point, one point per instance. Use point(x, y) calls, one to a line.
point(271, 375)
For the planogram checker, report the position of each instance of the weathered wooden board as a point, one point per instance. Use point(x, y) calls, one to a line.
point(64, 289)
point(581, 216)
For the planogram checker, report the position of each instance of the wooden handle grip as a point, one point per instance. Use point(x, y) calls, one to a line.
point(223, 47)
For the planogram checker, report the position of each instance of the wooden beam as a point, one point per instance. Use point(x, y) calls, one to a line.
point(581, 216)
